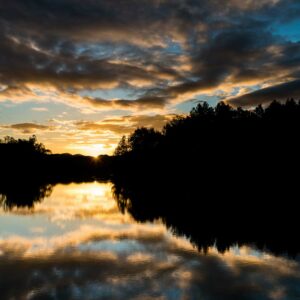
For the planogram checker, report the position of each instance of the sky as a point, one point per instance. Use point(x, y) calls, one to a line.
point(80, 74)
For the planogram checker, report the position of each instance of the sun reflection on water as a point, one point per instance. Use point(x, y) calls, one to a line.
point(77, 245)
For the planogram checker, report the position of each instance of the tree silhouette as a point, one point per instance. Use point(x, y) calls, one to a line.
point(213, 175)
point(22, 145)
point(123, 147)
point(144, 139)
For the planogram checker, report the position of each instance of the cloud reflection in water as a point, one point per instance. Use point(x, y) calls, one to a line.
point(77, 245)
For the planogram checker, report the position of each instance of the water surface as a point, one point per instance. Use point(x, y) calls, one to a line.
point(76, 244)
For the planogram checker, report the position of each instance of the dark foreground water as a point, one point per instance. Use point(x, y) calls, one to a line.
point(75, 244)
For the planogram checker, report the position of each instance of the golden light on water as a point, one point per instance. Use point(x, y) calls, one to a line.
point(78, 238)
point(91, 189)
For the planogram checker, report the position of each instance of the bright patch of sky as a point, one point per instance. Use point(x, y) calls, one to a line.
point(174, 48)
point(290, 30)
point(186, 106)
point(115, 93)
point(41, 113)
point(26, 112)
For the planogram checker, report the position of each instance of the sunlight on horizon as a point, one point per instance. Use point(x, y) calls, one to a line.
point(86, 149)
point(80, 87)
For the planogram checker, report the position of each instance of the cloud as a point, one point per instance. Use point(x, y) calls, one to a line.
point(158, 52)
point(27, 127)
point(126, 124)
point(146, 102)
point(40, 109)
point(77, 245)
point(280, 92)
point(141, 57)
point(155, 269)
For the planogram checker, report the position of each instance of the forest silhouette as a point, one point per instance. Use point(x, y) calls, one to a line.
point(220, 176)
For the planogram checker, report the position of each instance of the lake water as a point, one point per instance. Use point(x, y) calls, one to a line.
point(76, 244)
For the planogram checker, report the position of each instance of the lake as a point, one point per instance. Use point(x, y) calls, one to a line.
point(77, 244)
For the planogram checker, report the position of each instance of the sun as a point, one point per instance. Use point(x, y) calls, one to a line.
point(92, 149)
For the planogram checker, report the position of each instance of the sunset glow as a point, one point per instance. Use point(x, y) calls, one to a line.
point(81, 80)
point(142, 145)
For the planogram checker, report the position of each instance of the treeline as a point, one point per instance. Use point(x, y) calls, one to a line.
point(28, 160)
point(213, 140)
point(221, 176)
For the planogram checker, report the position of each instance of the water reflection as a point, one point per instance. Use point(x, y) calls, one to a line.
point(189, 208)
point(23, 194)
point(76, 244)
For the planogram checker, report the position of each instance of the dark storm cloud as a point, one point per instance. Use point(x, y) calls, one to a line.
point(160, 50)
point(143, 102)
point(278, 92)
point(240, 55)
